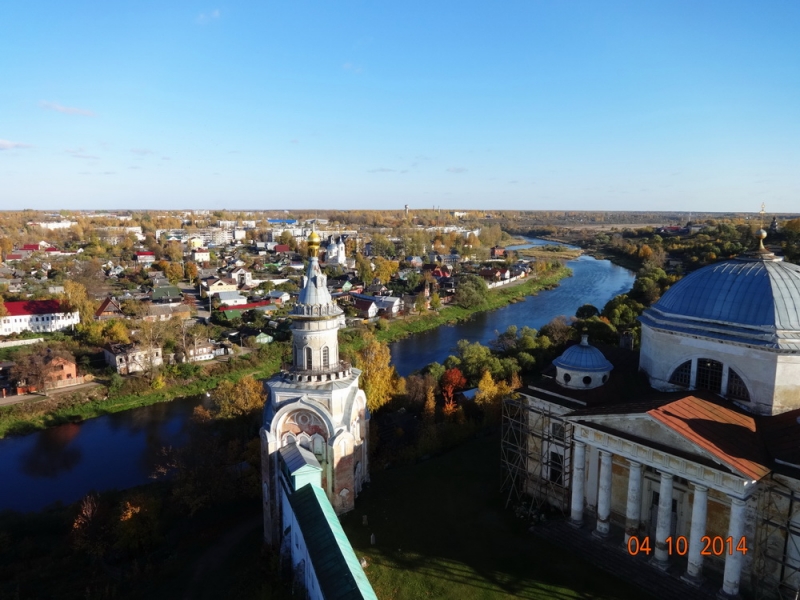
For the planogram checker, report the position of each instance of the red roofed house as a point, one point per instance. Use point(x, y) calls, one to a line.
point(145, 258)
point(687, 451)
point(36, 315)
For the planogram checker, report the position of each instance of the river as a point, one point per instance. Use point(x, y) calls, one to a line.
point(62, 464)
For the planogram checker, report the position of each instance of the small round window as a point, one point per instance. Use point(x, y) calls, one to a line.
point(587, 380)
point(605, 378)
point(567, 377)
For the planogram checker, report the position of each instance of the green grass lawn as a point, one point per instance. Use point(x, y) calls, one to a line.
point(442, 532)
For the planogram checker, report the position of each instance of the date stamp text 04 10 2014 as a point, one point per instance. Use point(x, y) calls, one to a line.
point(712, 546)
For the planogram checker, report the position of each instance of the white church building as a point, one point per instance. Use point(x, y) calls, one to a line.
point(702, 470)
point(314, 447)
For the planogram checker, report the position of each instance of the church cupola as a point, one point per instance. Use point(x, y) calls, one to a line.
point(316, 319)
point(582, 367)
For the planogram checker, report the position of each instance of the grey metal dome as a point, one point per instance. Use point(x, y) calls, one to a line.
point(753, 300)
point(583, 357)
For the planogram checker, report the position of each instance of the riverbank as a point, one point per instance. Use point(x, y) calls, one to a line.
point(27, 417)
point(449, 315)
point(626, 262)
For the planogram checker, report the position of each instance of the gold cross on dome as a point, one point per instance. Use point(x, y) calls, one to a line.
point(763, 206)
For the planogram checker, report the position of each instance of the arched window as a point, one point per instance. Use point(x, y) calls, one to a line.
point(288, 439)
point(682, 376)
point(308, 358)
point(736, 387)
point(709, 375)
point(326, 358)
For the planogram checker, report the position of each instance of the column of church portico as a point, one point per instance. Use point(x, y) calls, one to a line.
point(664, 522)
point(578, 482)
point(733, 562)
point(694, 568)
point(604, 496)
point(633, 509)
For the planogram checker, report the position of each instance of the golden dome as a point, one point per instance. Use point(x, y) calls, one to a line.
point(313, 243)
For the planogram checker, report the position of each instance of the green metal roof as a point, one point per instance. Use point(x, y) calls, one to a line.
point(166, 292)
point(338, 571)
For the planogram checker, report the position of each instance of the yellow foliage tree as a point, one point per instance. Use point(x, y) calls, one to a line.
point(490, 396)
point(379, 379)
point(116, 332)
point(240, 398)
point(77, 299)
point(3, 309)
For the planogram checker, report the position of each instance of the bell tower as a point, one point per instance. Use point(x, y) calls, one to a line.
point(314, 404)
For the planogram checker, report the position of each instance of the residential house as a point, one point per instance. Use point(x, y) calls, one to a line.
point(366, 309)
point(200, 351)
point(497, 252)
point(132, 358)
point(201, 255)
point(242, 276)
point(414, 261)
point(109, 309)
point(278, 296)
point(166, 294)
point(213, 285)
point(231, 299)
point(144, 258)
point(165, 312)
point(61, 372)
point(37, 315)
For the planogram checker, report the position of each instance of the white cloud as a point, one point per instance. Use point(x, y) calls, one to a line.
point(456, 170)
point(142, 151)
point(67, 110)
point(381, 170)
point(9, 145)
point(209, 16)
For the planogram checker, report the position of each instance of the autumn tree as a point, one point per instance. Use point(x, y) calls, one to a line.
point(490, 396)
point(452, 380)
point(378, 376)
point(436, 301)
point(191, 271)
point(240, 398)
point(3, 309)
point(76, 299)
point(364, 269)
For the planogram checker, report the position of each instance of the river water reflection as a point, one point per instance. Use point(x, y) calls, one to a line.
point(63, 463)
point(120, 450)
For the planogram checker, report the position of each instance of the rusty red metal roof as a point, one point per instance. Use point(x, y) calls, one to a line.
point(725, 432)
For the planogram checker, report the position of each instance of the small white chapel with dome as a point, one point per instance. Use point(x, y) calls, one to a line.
point(709, 449)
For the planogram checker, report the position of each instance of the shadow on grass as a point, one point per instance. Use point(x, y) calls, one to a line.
point(442, 532)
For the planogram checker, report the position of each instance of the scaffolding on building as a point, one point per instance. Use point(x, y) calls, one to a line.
point(777, 565)
point(535, 451)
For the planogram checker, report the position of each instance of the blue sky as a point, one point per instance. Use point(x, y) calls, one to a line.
point(634, 105)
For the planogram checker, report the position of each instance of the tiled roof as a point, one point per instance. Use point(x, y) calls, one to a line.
point(338, 571)
point(723, 431)
point(34, 307)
